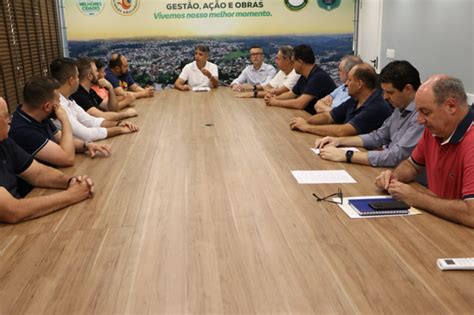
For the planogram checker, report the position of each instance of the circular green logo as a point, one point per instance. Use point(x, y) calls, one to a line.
point(295, 5)
point(90, 7)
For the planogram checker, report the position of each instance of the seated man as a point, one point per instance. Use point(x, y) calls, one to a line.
point(33, 130)
point(103, 92)
point(313, 84)
point(398, 135)
point(118, 75)
point(199, 73)
point(256, 75)
point(16, 162)
point(340, 94)
point(364, 112)
point(284, 80)
point(446, 151)
point(88, 99)
point(84, 126)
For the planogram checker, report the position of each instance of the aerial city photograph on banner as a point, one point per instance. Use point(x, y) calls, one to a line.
point(158, 37)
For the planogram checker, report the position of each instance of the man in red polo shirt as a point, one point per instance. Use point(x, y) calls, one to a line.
point(446, 150)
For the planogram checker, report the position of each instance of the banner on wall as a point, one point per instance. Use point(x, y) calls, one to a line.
point(158, 36)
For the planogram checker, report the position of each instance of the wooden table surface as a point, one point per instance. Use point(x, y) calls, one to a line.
point(199, 213)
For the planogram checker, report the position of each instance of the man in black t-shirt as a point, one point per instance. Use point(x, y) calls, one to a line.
point(88, 99)
point(313, 84)
point(14, 162)
point(365, 111)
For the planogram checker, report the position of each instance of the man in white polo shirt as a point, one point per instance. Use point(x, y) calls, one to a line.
point(199, 73)
point(284, 80)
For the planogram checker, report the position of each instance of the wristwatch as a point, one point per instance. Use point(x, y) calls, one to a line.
point(349, 154)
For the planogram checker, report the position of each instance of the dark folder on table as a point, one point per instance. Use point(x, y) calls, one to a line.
point(363, 207)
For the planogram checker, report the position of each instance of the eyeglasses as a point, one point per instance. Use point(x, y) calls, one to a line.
point(256, 54)
point(337, 194)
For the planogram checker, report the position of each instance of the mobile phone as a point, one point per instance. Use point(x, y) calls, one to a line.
point(388, 205)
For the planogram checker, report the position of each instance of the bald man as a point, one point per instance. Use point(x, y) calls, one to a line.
point(16, 164)
point(365, 111)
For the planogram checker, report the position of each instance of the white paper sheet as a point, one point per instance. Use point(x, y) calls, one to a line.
point(343, 148)
point(201, 89)
point(351, 213)
point(323, 177)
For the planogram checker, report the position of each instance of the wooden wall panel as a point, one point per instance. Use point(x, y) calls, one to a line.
point(30, 31)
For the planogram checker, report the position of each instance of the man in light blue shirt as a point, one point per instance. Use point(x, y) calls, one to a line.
point(256, 75)
point(340, 94)
point(398, 135)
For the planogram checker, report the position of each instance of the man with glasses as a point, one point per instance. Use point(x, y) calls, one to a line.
point(284, 80)
point(313, 84)
point(256, 75)
point(14, 161)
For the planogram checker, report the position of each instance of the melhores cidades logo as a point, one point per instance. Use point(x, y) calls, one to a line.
point(90, 7)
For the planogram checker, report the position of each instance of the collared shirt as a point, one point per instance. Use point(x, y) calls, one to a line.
point(13, 161)
point(86, 99)
point(367, 117)
point(339, 95)
point(285, 80)
point(195, 77)
point(398, 137)
point(252, 76)
point(318, 84)
point(449, 166)
point(30, 134)
point(84, 126)
point(124, 81)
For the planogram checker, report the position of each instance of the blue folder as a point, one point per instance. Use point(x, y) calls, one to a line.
point(361, 206)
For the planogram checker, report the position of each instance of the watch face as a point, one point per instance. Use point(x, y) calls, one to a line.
point(349, 154)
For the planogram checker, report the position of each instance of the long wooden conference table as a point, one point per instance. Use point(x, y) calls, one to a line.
point(198, 213)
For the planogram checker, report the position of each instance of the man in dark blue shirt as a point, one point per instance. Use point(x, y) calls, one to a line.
point(365, 111)
point(313, 84)
point(14, 161)
point(118, 75)
point(33, 130)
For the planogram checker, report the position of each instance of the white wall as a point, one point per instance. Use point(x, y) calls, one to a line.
point(436, 36)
